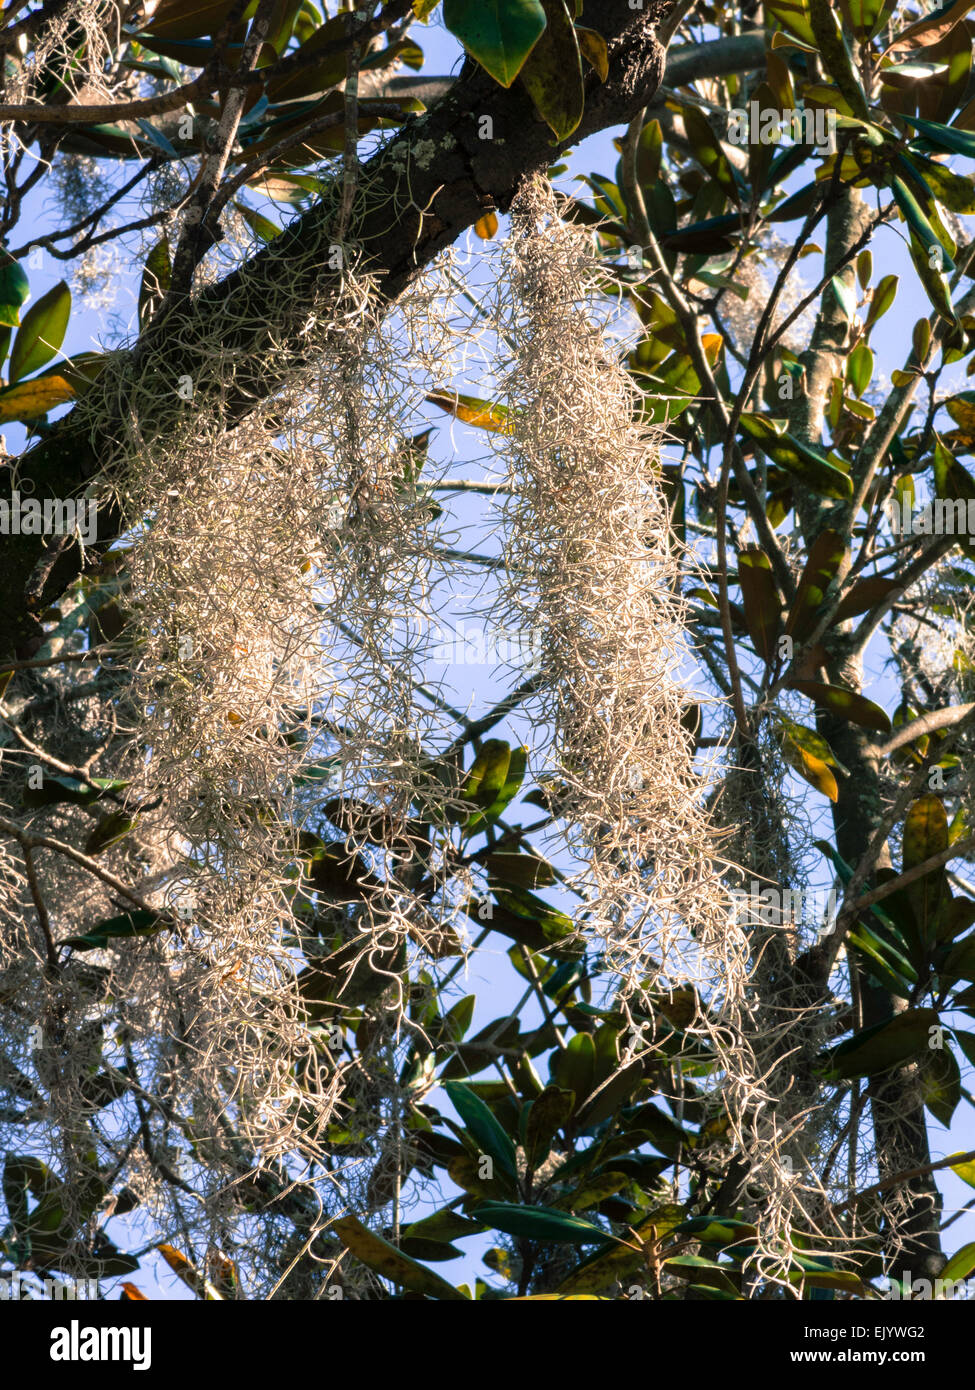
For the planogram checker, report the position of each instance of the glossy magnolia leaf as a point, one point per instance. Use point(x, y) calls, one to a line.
point(472, 410)
point(320, 75)
point(881, 299)
point(156, 278)
point(793, 15)
point(523, 870)
point(111, 828)
point(961, 1265)
point(925, 831)
point(487, 226)
point(928, 256)
point(707, 150)
point(965, 1171)
point(543, 1223)
point(763, 608)
point(573, 1067)
point(722, 1231)
point(845, 704)
point(126, 926)
point(263, 228)
point(859, 368)
point(885, 1045)
point(940, 1081)
point(825, 557)
point(865, 17)
point(955, 191)
point(375, 1252)
point(41, 333)
point(545, 1117)
point(796, 458)
point(552, 72)
point(483, 1127)
point(916, 218)
point(607, 1266)
point(809, 755)
point(192, 19)
point(865, 594)
point(593, 47)
point(14, 292)
point(185, 1270)
point(933, 27)
point(28, 400)
point(500, 34)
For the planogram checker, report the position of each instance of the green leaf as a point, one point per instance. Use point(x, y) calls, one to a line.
point(865, 594)
point(961, 1265)
point(513, 777)
point(845, 704)
point(882, 298)
point(707, 150)
point(965, 1171)
point(825, 557)
point(955, 191)
point(927, 257)
point(859, 368)
point(111, 828)
point(500, 34)
point(889, 1044)
point(763, 607)
point(796, 458)
point(547, 1114)
point(845, 297)
point(482, 1125)
point(574, 1067)
point(552, 72)
point(543, 1223)
point(41, 333)
point(523, 870)
point(263, 228)
point(375, 1252)
point(940, 1083)
point(126, 925)
point(14, 291)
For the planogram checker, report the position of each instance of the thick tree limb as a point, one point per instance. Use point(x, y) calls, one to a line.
point(411, 216)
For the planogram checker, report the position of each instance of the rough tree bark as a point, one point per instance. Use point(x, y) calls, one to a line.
point(458, 177)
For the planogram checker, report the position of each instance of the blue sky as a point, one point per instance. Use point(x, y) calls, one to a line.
point(463, 451)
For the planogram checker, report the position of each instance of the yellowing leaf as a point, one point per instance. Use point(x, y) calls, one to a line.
point(28, 400)
point(487, 226)
point(472, 410)
point(593, 48)
point(552, 73)
point(385, 1259)
point(925, 831)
